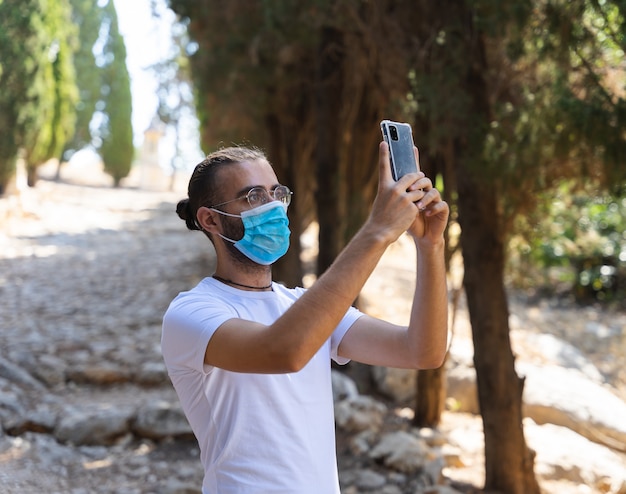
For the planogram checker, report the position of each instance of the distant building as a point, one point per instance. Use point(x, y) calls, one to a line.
point(151, 176)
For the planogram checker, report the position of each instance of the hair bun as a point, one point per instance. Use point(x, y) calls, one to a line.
point(182, 209)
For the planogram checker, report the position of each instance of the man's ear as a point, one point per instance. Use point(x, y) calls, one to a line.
point(206, 219)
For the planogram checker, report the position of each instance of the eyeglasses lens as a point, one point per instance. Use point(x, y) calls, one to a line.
point(258, 196)
point(282, 194)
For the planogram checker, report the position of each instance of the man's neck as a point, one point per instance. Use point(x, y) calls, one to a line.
point(256, 278)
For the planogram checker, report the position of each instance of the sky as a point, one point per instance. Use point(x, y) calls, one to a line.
point(147, 41)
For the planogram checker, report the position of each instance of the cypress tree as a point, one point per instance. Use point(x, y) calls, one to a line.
point(88, 18)
point(37, 43)
point(116, 131)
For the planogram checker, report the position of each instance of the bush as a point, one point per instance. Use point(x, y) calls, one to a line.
point(576, 242)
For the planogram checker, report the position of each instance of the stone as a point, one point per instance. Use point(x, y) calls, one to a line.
point(103, 426)
point(161, 420)
point(359, 413)
point(575, 458)
point(452, 456)
point(566, 397)
point(175, 486)
point(369, 480)
point(152, 374)
point(343, 386)
point(461, 389)
point(397, 384)
point(402, 451)
point(40, 420)
point(440, 489)
point(554, 351)
point(18, 375)
point(87, 345)
point(101, 373)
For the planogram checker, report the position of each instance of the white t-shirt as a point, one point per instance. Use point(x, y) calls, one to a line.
point(258, 433)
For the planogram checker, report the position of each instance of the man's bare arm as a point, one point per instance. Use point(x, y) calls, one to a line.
point(289, 343)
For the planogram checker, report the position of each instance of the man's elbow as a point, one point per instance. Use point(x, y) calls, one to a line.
point(430, 360)
point(294, 361)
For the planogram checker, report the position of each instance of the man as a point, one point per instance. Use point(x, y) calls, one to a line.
point(250, 359)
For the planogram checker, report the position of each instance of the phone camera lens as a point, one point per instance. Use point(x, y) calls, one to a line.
point(394, 132)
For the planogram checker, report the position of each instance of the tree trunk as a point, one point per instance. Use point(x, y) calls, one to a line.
point(508, 461)
point(288, 269)
point(431, 396)
point(329, 87)
point(431, 389)
point(31, 175)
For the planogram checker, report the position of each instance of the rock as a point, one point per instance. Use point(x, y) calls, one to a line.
point(152, 374)
point(568, 398)
point(175, 486)
point(47, 368)
point(389, 489)
point(18, 375)
point(555, 395)
point(361, 442)
point(101, 373)
point(402, 451)
point(461, 388)
point(452, 456)
point(103, 426)
point(549, 349)
point(50, 369)
point(369, 480)
point(440, 489)
point(343, 386)
point(433, 467)
point(40, 420)
point(574, 458)
point(161, 420)
point(359, 413)
point(81, 315)
point(12, 400)
point(433, 437)
point(397, 384)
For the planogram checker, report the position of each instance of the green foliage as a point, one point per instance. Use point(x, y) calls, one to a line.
point(575, 242)
point(554, 78)
point(38, 81)
point(87, 17)
point(115, 131)
point(556, 109)
point(233, 73)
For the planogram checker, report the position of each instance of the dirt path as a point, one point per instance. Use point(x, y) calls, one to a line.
point(86, 273)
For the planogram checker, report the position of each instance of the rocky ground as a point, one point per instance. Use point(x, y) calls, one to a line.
point(86, 273)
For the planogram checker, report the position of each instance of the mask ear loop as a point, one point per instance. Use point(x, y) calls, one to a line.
point(232, 216)
point(225, 213)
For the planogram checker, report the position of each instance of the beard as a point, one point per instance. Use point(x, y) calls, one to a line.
point(233, 229)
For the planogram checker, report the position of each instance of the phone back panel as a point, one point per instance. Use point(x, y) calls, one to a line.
point(400, 142)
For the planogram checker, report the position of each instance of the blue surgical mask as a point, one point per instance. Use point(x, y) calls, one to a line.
point(266, 232)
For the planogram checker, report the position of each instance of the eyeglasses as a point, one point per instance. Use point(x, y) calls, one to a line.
point(257, 196)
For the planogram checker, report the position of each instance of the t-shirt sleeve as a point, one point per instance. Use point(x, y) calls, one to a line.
point(342, 328)
point(346, 323)
point(188, 325)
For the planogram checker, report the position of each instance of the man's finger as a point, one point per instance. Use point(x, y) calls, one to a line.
point(384, 165)
point(417, 157)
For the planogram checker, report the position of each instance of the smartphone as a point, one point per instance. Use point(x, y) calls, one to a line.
point(399, 138)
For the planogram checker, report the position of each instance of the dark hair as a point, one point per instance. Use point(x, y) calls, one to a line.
point(203, 189)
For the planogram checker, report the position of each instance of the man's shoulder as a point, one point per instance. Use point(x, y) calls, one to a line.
point(281, 289)
point(197, 291)
point(210, 292)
